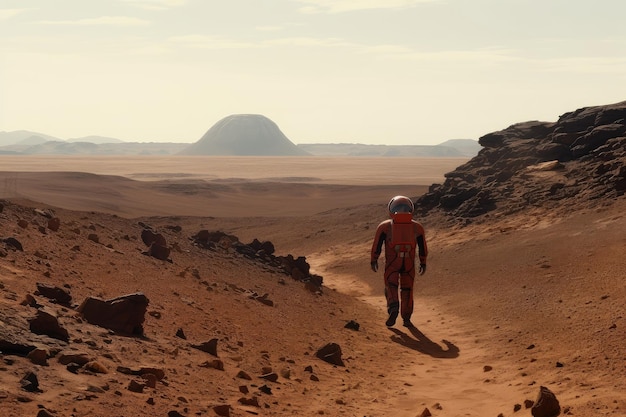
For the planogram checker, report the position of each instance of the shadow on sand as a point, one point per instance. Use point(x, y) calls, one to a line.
point(423, 344)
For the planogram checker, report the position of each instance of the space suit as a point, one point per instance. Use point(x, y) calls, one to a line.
point(402, 237)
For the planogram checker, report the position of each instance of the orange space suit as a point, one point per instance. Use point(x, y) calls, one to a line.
point(401, 236)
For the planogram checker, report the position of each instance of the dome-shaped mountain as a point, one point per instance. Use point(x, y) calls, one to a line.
point(244, 134)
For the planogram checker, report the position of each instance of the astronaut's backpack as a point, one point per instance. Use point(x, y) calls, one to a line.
point(403, 239)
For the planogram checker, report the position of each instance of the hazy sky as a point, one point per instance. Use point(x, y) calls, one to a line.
point(359, 71)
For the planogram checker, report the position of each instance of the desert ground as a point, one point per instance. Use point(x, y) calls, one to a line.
point(506, 306)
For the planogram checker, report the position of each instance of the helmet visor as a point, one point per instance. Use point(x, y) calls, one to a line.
point(400, 204)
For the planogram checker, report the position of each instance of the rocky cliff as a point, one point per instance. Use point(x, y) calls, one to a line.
point(575, 162)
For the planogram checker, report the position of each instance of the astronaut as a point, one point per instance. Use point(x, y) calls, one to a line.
point(401, 236)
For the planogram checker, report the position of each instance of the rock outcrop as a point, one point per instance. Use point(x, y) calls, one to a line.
point(577, 159)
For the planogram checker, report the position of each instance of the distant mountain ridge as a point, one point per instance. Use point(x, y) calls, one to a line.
point(23, 142)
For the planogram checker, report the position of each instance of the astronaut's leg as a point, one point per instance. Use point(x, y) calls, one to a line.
point(406, 297)
point(391, 294)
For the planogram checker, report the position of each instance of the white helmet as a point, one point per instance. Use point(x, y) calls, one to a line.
point(400, 204)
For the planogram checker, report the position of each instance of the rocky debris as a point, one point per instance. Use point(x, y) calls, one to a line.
point(55, 294)
point(92, 364)
point(156, 243)
point(124, 314)
point(546, 405)
point(331, 353)
point(262, 252)
point(581, 158)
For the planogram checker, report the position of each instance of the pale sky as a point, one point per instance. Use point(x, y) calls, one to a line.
point(413, 72)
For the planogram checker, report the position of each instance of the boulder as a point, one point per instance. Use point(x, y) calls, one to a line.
point(47, 323)
point(546, 405)
point(124, 314)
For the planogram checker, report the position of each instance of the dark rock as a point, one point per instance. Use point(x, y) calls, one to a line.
point(208, 347)
point(39, 356)
point(136, 386)
point(272, 377)
point(125, 314)
point(159, 251)
point(425, 413)
point(222, 410)
point(30, 382)
point(265, 390)
point(331, 353)
point(244, 375)
point(56, 294)
point(47, 323)
point(54, 224)
point(181, 334)
point(352, 325)
point(14, 243)
point(67, 357)
point(546, 405)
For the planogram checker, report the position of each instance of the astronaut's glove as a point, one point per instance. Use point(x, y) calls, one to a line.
point(422, 269)
point(374, 265)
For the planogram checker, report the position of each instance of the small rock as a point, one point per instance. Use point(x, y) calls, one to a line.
point(135, 386)
point(222, 410)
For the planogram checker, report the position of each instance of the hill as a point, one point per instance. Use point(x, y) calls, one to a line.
point(24, 137)
point(244, 135)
